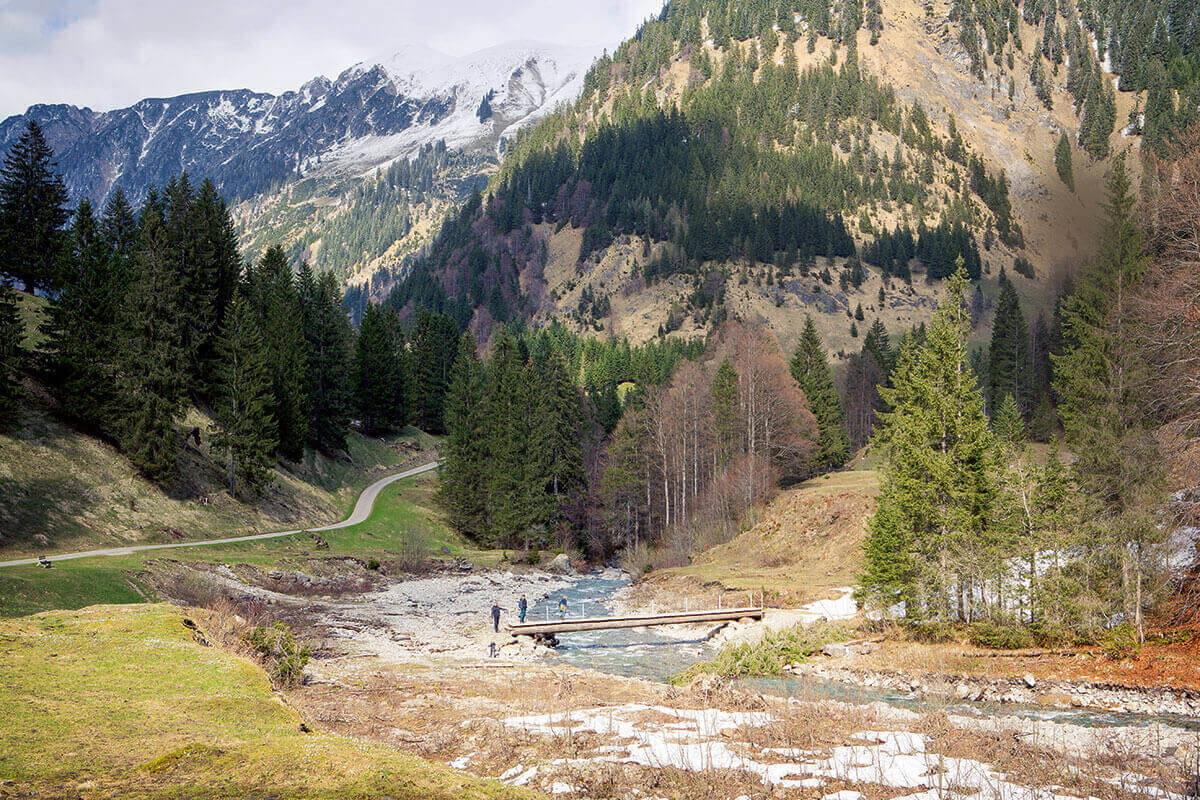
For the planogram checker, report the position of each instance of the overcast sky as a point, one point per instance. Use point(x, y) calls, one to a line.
point(110, 53)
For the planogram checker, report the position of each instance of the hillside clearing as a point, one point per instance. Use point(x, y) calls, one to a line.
point(128, 702)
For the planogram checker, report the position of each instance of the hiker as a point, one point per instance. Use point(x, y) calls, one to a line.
point(562, 608)
point(496, 609)
point(522, 607)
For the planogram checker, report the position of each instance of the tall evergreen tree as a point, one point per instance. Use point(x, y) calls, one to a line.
point(327, 338)
point(33, 211)
point(463, 474)
point(81, 330)
point(434, 349)
point(1009, 368)
point(562, 421)
point(1099, 379)
point(517, 501)
point(811, 370)
point(244, 429)
point(276, 302)
point(377, 371)
point(218, 271)
point(12, 334)
point(152, 377)
point(935, 504)
point(723, 397)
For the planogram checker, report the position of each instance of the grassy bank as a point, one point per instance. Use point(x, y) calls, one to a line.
point(404, 523)
point(120, 701)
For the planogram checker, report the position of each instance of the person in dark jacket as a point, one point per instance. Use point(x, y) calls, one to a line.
point(522, 607)
point(496, 609)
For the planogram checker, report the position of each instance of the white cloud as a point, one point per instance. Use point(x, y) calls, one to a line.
point(111, 53)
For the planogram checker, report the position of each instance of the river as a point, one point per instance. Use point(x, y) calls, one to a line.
point(654, 654)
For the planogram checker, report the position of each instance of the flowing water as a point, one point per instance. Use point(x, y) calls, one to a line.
point(656, 654)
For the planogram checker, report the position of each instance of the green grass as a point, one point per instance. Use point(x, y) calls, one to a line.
point(121, 701)
point(403, 522)
point(769, 655)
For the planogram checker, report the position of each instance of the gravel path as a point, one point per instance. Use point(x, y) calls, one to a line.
point(362, 510)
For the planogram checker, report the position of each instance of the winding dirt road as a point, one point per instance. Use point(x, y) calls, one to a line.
point(362, 510)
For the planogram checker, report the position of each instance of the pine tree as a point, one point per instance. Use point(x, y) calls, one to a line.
point(81, 329)
point(33, 211)
point(152, 378)
point(434, 349)
point(878, 345)
point(1062, 161)
point(562, 421)
point(723, 398)
point(936, 501)
point(377, 371)
point(811, 370)
point(12, 334)
point(1008, 424)
point(1009, 368)
point(327, 338)
point(463, 475)
point(276, 302)
point(220, 269)
point(244, 428)
point(1099, 380)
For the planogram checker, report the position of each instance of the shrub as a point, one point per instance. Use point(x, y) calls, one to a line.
point(932, 632)
point(769, 655)
point(373, 564)
point(1022, 266)
point(1001, 636)
point(284, 657)
point(1121, 642)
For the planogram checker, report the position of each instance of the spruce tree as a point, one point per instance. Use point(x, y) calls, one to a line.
point(244, 429)
point(152, 379)
point(1099, 379)
point(1008, 424)
point(81, 329)
point(462, 484)
point(327, 338)
point(723, 399)
point(434, 349)
point(811, 370)
point(218, 271)
point(276, 302)
point(376, 371)
point(935, 505)
point(562, 421)
point(12, 334)
point(33, 211)
point(1009, 368)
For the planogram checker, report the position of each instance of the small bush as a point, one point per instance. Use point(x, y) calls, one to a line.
point(769, 655)
point(373, 564)
point(1001, 636)
point(933, 632)
point(1121, 642)
point(284, 657)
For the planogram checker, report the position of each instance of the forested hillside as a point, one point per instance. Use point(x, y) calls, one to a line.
point(775, 159)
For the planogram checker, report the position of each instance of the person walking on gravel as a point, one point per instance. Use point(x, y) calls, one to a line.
point(522, 607)
point(496, 609)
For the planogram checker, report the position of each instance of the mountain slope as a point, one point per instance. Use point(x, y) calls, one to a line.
point(249, 142)
point(875, 121)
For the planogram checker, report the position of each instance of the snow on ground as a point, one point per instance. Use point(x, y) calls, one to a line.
point(698, 740)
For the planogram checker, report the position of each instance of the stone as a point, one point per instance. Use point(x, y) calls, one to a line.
point(962, 692)
point(561, 564)
point(836, 650)
point(1029, 681)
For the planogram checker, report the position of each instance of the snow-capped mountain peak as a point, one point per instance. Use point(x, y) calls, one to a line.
point(371, 114)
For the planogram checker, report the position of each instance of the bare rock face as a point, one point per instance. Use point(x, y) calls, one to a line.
point(561, 564)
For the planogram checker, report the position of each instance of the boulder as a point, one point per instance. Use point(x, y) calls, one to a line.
point(561, 563)
point(836, 650)
point(1029, 681)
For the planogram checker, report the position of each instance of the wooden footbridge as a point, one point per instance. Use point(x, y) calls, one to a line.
point(548, 628)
